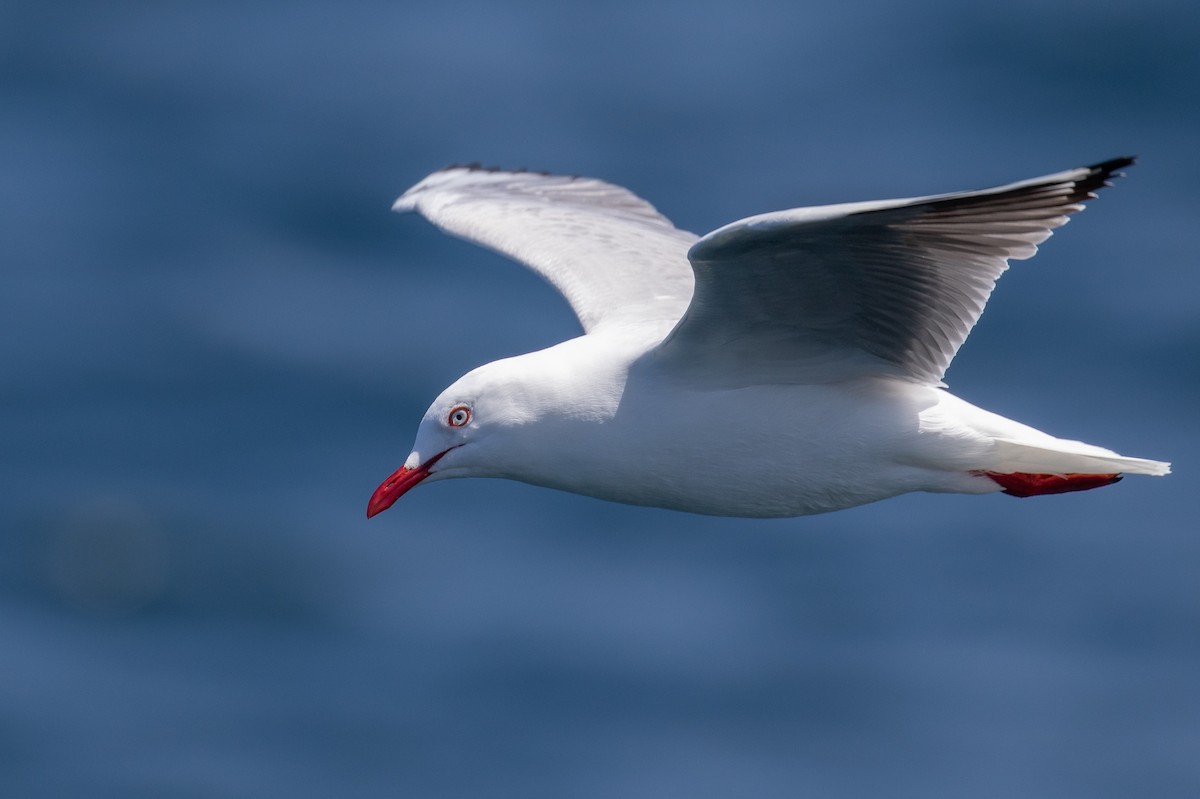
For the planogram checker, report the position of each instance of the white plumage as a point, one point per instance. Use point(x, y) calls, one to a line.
point(784, 364)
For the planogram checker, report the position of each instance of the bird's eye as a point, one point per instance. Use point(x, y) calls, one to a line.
point(459, 416)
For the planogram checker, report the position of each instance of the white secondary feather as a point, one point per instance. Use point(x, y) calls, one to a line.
point(784, 364)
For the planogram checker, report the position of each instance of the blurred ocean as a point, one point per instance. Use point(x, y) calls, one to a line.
point(215, 341)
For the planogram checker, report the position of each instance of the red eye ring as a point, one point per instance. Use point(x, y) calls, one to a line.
point(459, 415)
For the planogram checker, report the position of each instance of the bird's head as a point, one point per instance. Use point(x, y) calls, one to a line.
point(468, 431)
point(525, 418)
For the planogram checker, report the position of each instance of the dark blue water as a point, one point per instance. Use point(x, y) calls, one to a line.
point(215, 341)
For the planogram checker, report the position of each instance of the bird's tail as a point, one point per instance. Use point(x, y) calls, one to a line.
point(1025, 470)
point(1061, 456)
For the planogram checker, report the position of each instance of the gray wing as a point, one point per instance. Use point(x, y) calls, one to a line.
point(610, 253)
point(825, 293)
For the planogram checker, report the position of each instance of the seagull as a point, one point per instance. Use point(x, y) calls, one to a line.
point(785, 364)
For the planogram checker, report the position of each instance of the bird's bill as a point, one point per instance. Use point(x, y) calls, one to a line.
point(398, 484)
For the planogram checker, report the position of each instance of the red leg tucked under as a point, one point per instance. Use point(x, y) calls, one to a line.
point(1021, 484)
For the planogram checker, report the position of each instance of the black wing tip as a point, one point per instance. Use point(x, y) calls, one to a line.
point(1102, 174)
point(1111, 166)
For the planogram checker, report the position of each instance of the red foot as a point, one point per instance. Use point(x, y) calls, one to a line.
point(1021, 484)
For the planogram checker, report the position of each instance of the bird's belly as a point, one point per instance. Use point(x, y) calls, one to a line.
point(766, 452)
point(776, 495)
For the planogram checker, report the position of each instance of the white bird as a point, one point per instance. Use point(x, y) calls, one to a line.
point(785, 364)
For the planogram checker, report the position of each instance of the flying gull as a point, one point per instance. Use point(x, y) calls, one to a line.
point(785, 364)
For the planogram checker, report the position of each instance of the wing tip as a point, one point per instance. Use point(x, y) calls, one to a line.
point(1113, 164)
point(409, 200)
point(1102, 174)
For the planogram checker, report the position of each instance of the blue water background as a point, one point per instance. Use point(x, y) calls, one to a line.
point(215, 341)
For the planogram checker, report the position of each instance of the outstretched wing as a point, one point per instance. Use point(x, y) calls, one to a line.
point(610, 253)
point(895, 286)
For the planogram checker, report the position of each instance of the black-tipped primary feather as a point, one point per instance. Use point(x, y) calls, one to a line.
point(899, 283)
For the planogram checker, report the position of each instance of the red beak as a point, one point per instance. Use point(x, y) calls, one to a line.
point(398, 484)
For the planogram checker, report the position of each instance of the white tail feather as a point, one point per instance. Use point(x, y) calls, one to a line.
point(1068, 457)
